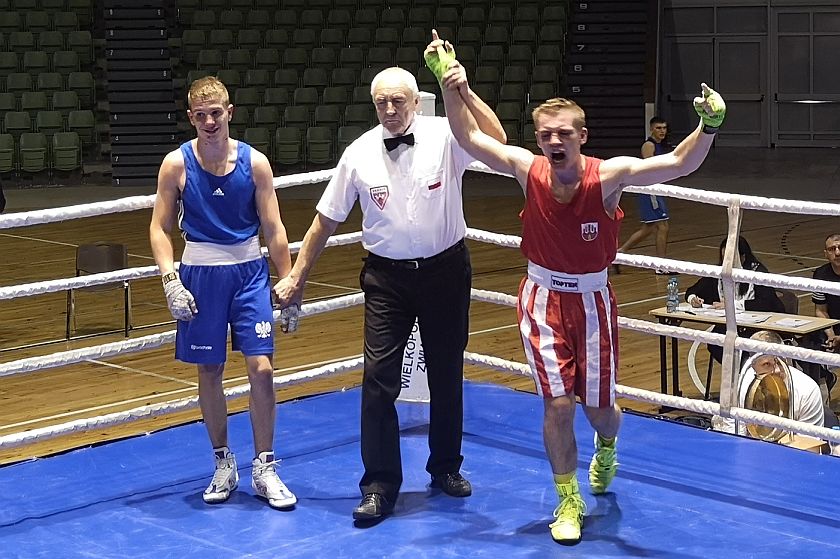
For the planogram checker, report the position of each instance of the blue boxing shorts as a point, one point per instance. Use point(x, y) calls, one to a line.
point(235, 294)
point(652, 208)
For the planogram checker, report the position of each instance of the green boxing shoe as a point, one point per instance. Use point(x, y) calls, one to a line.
point(439, 61)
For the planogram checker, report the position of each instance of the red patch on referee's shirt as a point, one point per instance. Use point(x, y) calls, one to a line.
point(435, 185)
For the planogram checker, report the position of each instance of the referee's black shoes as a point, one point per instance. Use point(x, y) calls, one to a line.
point(452, 484)
point(372, 507)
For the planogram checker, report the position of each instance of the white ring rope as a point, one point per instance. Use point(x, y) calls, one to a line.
point(780, 205)
point(148, 342)
point(146, 412)
point(698, 406)
point(52, 286)
point(58, 359)
point(132, 203)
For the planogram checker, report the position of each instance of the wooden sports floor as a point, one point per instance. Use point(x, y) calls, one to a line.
point(787, 244)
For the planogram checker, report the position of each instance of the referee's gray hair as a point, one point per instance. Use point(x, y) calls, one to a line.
point(405, 76)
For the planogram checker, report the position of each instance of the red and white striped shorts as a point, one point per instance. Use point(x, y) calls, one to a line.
point(571, 342)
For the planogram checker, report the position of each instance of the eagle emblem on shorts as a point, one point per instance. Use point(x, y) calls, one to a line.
point(379, 195)
point(589, 231)
point(263, 329)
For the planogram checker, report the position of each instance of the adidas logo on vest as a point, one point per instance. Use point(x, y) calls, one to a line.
point(218, 192)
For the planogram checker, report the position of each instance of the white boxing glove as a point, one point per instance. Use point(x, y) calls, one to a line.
point(180, 301)
point(289, 318)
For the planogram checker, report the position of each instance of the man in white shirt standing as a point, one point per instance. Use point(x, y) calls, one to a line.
point(406, 174)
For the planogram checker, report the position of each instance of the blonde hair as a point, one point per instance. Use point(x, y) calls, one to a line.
point(554, 106)
point(208, 88)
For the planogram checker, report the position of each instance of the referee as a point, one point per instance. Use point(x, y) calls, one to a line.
point(406, 175)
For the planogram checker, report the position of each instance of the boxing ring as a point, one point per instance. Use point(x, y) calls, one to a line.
point(680, 491)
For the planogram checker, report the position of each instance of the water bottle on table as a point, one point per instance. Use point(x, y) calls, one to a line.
point(673, 299)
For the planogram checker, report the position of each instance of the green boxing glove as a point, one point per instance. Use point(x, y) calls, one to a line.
point(439, 61)
point(711, 108)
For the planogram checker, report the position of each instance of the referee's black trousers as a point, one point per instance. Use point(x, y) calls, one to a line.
point(437, 293)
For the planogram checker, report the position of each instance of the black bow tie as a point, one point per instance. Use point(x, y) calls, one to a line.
point(392, 143)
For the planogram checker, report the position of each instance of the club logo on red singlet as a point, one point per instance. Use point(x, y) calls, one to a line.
point(589, 231)
point(379, 195)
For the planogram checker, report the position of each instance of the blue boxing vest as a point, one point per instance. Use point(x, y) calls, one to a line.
point(221, 210)
point(660, 147)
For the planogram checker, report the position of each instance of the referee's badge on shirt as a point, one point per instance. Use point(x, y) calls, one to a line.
point(379, 195)
point(589, 231)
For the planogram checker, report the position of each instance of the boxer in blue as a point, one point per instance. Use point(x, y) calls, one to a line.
point(221, 191)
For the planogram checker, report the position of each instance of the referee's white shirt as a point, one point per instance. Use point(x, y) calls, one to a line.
point(410, 197)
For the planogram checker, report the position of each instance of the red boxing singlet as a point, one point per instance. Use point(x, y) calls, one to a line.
point(579, 237)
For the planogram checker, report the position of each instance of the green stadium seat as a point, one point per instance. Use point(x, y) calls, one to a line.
point(83, 84)
point(220, 39)
point(296, 116)
point(232, 20)
point(346, 136)
point(51, 41)
point(48, 123)
point(267, 59)
point(65, 61)
point(285, 19)
point(250, 39)
point(192, 42)
point(209, 59)
point(359, 37)
point(332, 39)
point(323, 58)
point(8, 156)
point(83, 123)
point(311, 19)
point(64, 102)
point(267, 117)
point(286, 77)
point(319, 141)
point(276, 97)
point(8, 102)
point(248, 97)
point(328, 116)
point(32, 152)
point(18, 83)
point(392, 18)
point(287, 146)
point(35, 62)
point(257, 78)
point(65, 21)
point(21, 42)
point(366, 17)
point(259, 139)
point(33, 102)
point(258, 19)
point(37, 21)
point(239, 59)
point(415, 37)
point(66, 152)
point(8, 64)
point(276, 39)
point(338, 19)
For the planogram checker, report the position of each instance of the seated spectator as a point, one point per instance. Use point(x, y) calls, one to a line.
point(790, 393)
point(748, 296)
point(826, 305)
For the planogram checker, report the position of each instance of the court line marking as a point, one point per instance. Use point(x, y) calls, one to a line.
point(773, 254)
point(140, 371)
point(38, 239)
